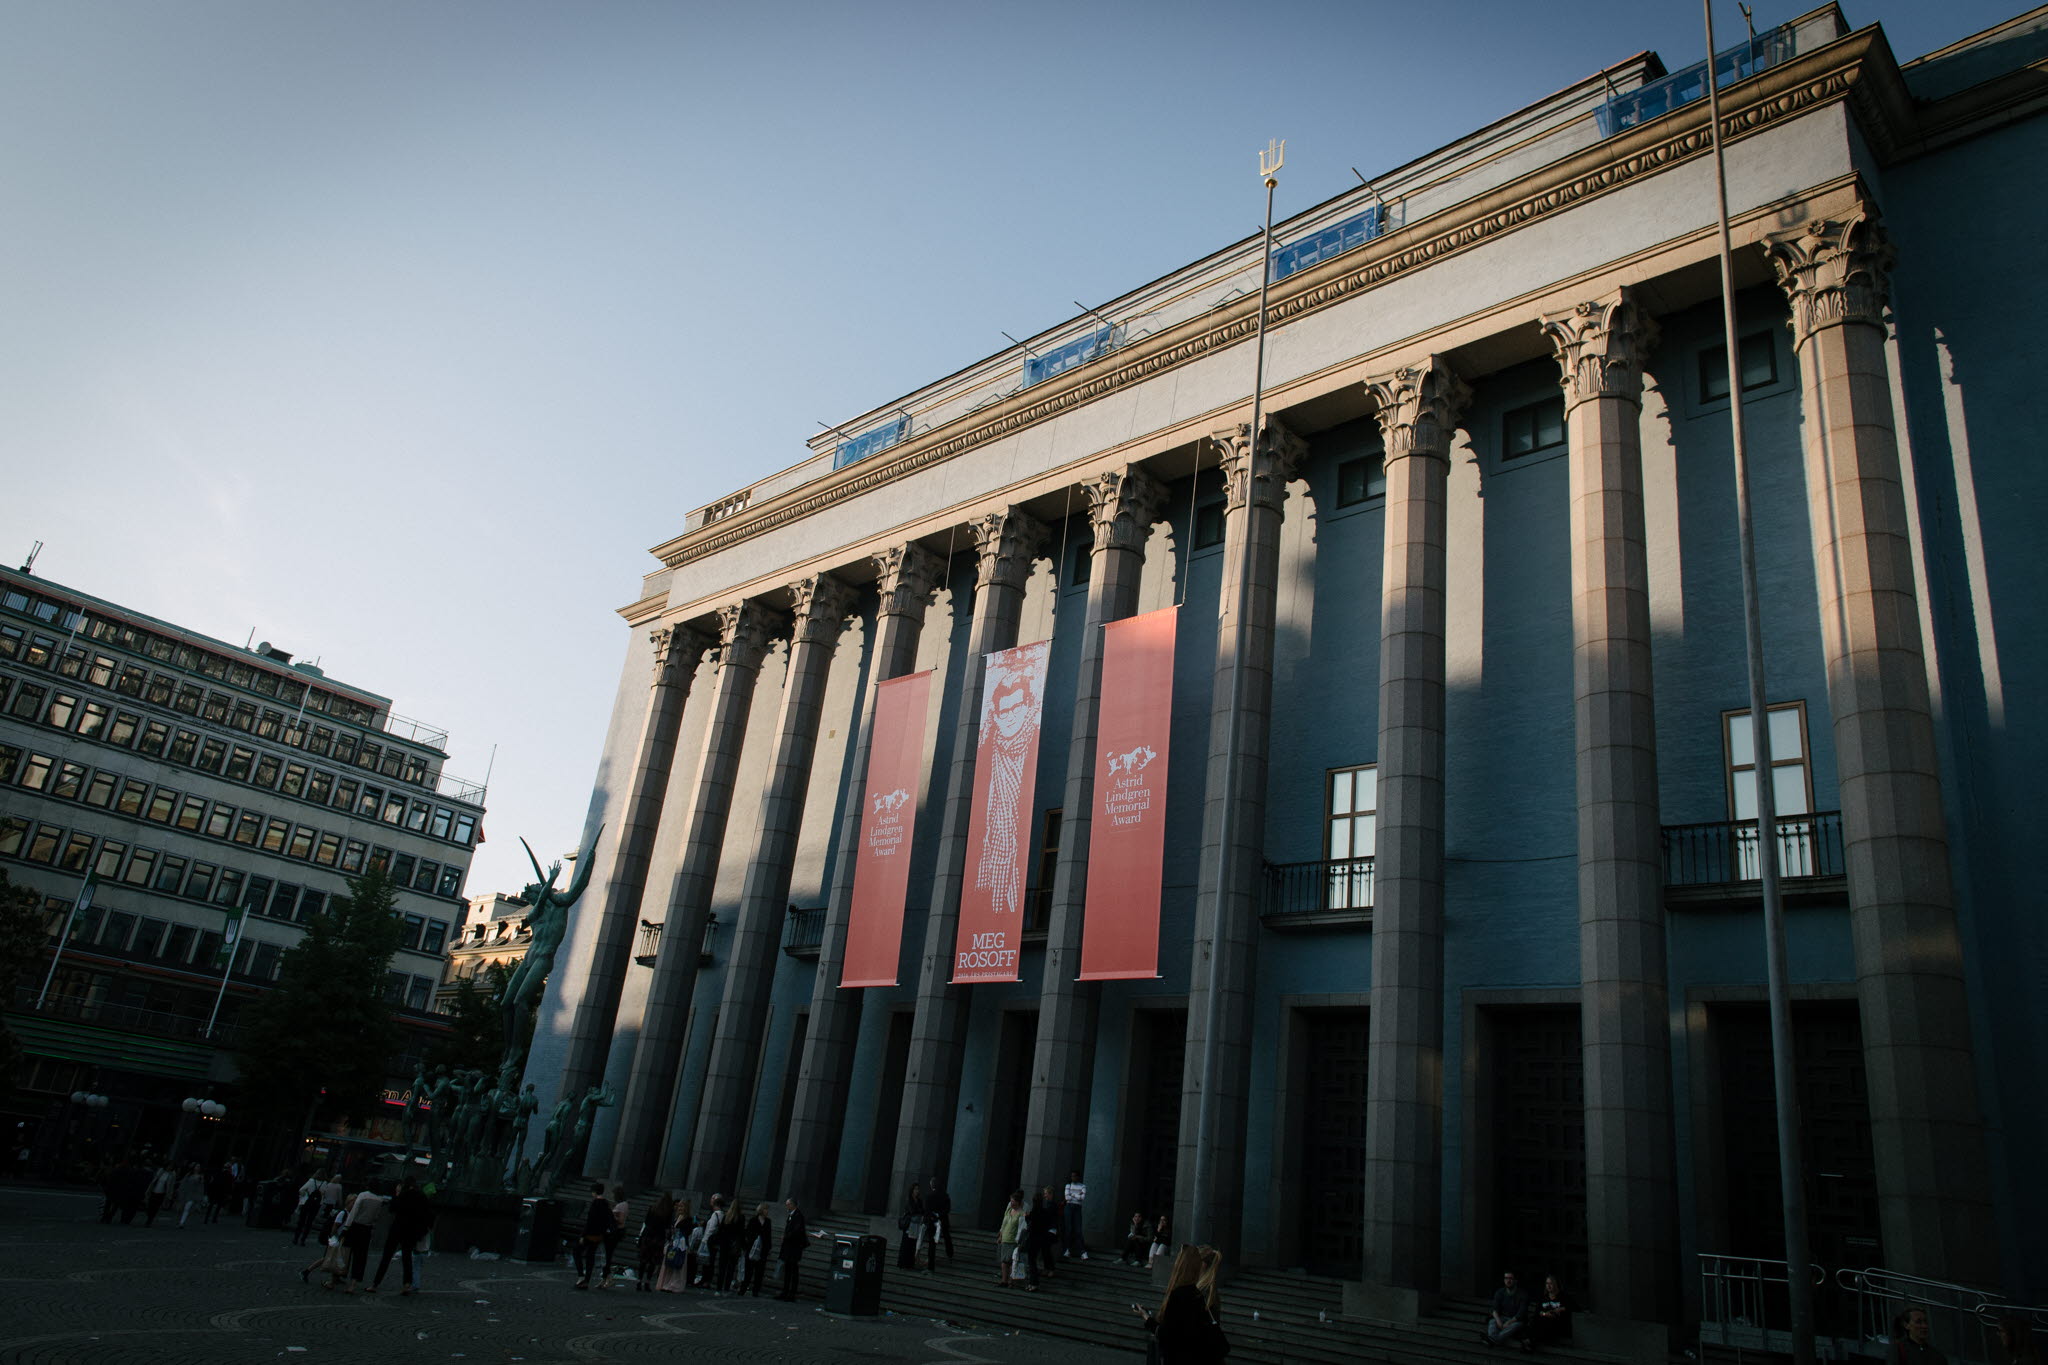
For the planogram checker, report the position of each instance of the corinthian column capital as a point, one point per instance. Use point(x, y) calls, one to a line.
point(1260, 482)
point(1419, 408)
point(744, 630)
point(819, 605)
point(907, 576)
point(1122, 505)
point(676, 650)
point(1834, 271)
point(1005, 543)
point(1600, 347)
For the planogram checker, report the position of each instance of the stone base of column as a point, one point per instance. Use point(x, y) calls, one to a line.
point(1626, 1338)
point(1387, 1303)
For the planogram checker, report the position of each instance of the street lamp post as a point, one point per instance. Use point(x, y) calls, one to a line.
point(195, 1111)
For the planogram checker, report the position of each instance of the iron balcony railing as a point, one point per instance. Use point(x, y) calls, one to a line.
point(1724, 852)
point(803, 932)
point(132, 1018)
point(1682, 87)
point(1318, 887)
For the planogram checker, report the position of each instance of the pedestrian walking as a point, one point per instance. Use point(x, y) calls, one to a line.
point(220, 1190)
point(160, 1185)
point(597, 1222)
point(410, 1216)
point(308, 1210)
point(940, 1205)
point(1187, 1324)
point(614, 1235)
point(653, 1242)
point(911, 1226)
point(365, 1215)
point(190, 1194)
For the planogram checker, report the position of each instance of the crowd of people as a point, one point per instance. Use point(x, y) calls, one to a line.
point(345, 1227)
point(726, 1253)
point(146, 1186)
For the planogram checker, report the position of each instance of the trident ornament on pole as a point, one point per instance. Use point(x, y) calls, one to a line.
point(1271, 160)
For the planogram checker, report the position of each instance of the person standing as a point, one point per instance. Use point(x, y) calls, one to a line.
point(597, 1224)
point(159, 1190)
point(1045, 1228)
point(1008, 1232)
point(190, 1194)
point(410, 1217)
point(676, 1270)
point(220, 1190)
point(940, 1205)
point(308, 1210)
point(1186, 1324)
point(1070, 1217)
point(653, 1242)
point(365, 1213)
point(911, 1225)
point(794, 1239)
point(760, 1242)
point(614, 1235)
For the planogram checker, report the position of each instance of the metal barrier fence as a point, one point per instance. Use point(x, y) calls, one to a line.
point(1745, 1306)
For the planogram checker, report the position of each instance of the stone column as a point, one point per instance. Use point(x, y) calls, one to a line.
point(677, 648)
point(1006, 544)
point(1122, 505)
point(821, 605)
point(1418, 412)
point(1933, 1199)
point(744, 632)
point(1624, 1015)
point(908, 576)
point(1209, 1189)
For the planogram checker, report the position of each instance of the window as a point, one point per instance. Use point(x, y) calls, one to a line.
point(101, 673)
point(178, 948)
point(274, 835)
point(155, 736)
point(159, 692)
point(199, 885)
point(217, 706)
point(28, 701)
point(131, 681)
point(43, 848)
point(248, 828)
point(344, 748)
point(191, 696)
point(380, 859)
point(171, 875)
point(1208, 530)
point(328, 850)
point(1759, 366)
point(243, 717)
point(320, 741)
point(436, 936)
point(1361, 479)
point(229, 892)
point(70, 781)
point(141, 867)
point(1048, 866)
point(394, 809)
point(394, 988)
point(13, 829)
point(63, 707)
point(465, 829)
point(302, 843)
point(401, 869)
point(345, 795)
point(115, 930)
point(10, 762)
point(284, 901)
point(210, 755)
point(442, 816)
point(219, 821)
point(265, 961)
point(428, 874)
point(100, 791)
point(373, 800)
point(415, 925)
point(149, 936)
point(294, 779)
point(416, 816)
point(257, 898)
point(1791, 787)
point(267, 727)
point(1351, 836)
point(266, 771)
point(36, 774)
point(451, 881)
point(311, 903)
point(367, 757)
point(393, 764)
point(161, 805)
point(133, 795)
point(109, 861)
point(192, 813)
point(320, 787)
point(1532, 427)
point(183, 744)
point(93, 719)
point(352, 857)
point(240, 761)
point(122, 731)
point(77, 851)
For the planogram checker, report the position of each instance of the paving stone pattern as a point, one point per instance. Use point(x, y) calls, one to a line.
point(75, 1292)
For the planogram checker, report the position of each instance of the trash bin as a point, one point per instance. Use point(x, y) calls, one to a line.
point(856, 1284)
point(539, 1237)
point(270, 1204)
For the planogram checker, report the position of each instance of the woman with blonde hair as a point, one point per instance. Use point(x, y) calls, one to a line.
point(1185, 1324)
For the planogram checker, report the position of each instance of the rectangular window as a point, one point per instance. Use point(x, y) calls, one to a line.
point(132, 680)
point(275, 834)
point(320, 787)
point(72, 665)
point(451, 881)
point(352, 857)
point(294, 783)
point(256, 900)
point(401, 869)
point(191, 696)
point(328, 851)
point(10, 640)
point(1351, 836)
point(372, 802)
point(425, 878)
point(419, 994)
point(199, 885)
point(311, 904)
point(70, 781)
point(266, 771)
point(28, 701)
point(141, 867)
point(213, 666)
point(1759, 366)
point(416, 770)
point(161, 806)
point(267, 727)
point(183, 745)
point(465, 829)
point(1208, 525)
point(416, 817)
point(134, 795)
point(229, 892)
point(178, 948)
point(219, 821)
point(10, 762)
point(394, 809)
point(149, 936)
point(345, 795)
point(368, 755)
point(206, 950)
point(35, 775)
point(240, 761)
point(101, 673)
point(192, 813)
point(380, 859)
point(442, 816)
point(122, 731)
point(1791, 788)
point(43, 848)
point(159, 691)
point(302, 843)
point(217, 706)
point(393, 764)
point(92, 720)
point(284, 901)
point(13, 830)
point(344, 748)
point(63, 707)
point(100, 791)
point(243, 717)
point(171, 875)
point(77, 853)
point(155, 736)
point(436, 936)
point(210, 755)
point(1532, 427)
point(115, 930)
point(264, 962)
point(249, 828)
point(394, 988)
point(108, 864)
point(320, 740)
point(415, 925)
point(1361, 479)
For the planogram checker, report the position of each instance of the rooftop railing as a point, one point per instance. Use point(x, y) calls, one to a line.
point(418, 731)
point(1724, 852)
point(1682, 87)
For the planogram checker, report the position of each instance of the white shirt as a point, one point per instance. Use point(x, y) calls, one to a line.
point(1077, 1192)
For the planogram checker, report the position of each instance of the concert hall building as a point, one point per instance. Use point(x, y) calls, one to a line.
point(1460, 957)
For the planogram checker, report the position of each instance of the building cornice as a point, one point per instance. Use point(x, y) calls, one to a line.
point(1857, 68)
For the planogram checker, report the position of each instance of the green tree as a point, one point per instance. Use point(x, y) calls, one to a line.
point(22, 945)
point(323, 1036)
point(476, 1023)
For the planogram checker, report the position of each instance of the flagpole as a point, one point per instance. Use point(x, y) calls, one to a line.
point(1791, 1172)
point(82, 901)
point(232, 937)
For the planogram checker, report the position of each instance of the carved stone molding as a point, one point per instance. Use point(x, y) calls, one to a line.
point(1419, 408)
point(676, 651)
point(1005, 544)
point(820, 606)
point(907, 576)
point(1600, 346)
point(1834, 272)
point(1261, 482)
point(744, 632)
point(1122, 505)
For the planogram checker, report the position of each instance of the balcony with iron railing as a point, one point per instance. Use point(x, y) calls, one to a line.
point(1327, 893)
point(803, 932)
point(1719, 860)
point(649, 946)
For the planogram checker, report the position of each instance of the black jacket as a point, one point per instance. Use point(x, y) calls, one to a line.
point(794, 1237)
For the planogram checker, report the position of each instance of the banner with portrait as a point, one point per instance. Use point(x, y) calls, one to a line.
point(888, 823)
point(1127, 826)
point(999, 824)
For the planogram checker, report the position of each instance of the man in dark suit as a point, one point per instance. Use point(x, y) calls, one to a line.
point(794, 1239)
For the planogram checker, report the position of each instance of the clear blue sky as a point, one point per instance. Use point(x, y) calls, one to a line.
point(398, 332)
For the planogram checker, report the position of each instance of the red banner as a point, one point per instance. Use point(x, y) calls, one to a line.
point(1127, 825)
point(999, 827)
point(888, 819)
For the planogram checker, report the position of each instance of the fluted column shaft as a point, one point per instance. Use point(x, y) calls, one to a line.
point(650, 1087)
point(1209, 1188)
point(1624, 1014)
point(1418, 411)
point(1122, 505)
point(1925, 1129)
point(909, 576)
point(821, 605)
point(1006, 543)
point(677, 648)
